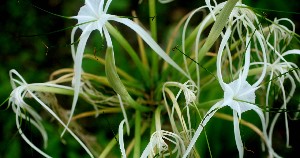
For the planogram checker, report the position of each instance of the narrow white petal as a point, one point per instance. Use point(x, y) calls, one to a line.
point(210, 9)
point(77, 73)
point(262, 45)
point(26, 88)
point(65, 126)
point(108, 39)
point(101, 4)
point(72, 42)
point(147, 38)
point(124, 114)
point(219, 57)
point(206, 118)
point(27, 140)
point(107, 6)
point(264, 129)
point(91, 6)
point(237, 134)
point(121, 139)
point(14, 72)
point(148, 150)
point(247, 59)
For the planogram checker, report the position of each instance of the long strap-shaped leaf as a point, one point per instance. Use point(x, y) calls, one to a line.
point(116, 83)
point(217, 27)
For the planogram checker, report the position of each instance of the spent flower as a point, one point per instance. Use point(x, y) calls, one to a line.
point(22, 90)
point(280, 71)
point(157, 141)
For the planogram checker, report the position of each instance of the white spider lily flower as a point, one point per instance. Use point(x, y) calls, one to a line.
point(93, 16)
point(24, 111)
point(189, 90)
point(239, 95)
point(157, 141)
point(279, 36)
point(277, 39)
point(281, 70)
point(157, 145)
point(240, 18)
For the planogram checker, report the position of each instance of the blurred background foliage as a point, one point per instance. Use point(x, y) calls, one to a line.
point(28, 46)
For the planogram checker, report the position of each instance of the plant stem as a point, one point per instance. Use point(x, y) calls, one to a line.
point(152, 127)
point(131, 144)
point(153, 29)
point(108, 147)
point(137, 134)
point(141, 44)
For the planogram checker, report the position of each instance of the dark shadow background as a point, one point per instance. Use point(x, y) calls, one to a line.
point(28, 46)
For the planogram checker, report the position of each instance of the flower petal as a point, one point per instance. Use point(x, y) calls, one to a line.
point(237, 134)
point(219, 57)
point(107, 6)
point(206, 118)
point(91, 7)
point(77, 73)
point(121, 139)
point(149, 40)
